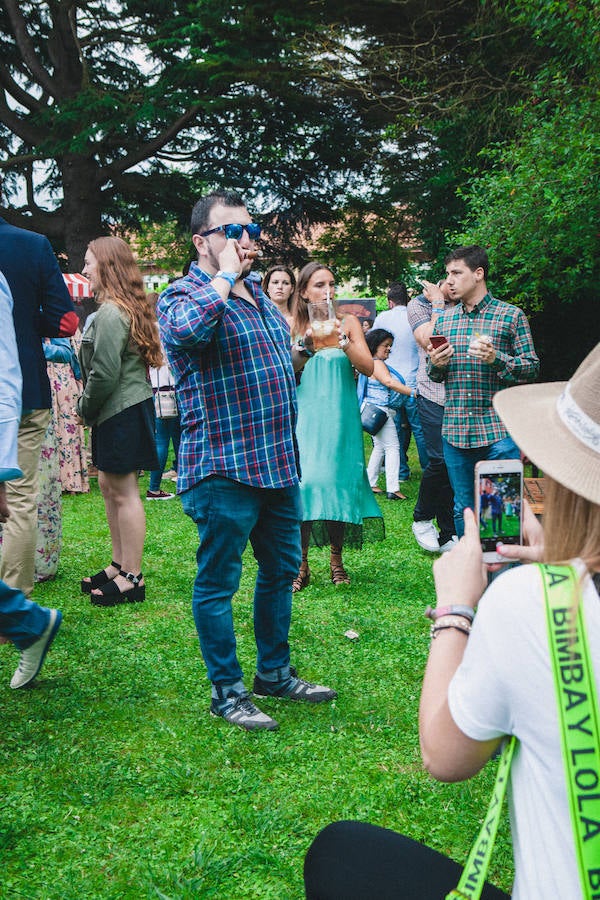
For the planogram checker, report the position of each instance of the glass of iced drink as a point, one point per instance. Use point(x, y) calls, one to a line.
point(322, 323)
point(476, 340)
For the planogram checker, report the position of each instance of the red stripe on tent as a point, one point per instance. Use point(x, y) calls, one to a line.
point(78, 286)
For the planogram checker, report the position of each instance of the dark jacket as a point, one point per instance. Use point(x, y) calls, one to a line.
point(42, 305)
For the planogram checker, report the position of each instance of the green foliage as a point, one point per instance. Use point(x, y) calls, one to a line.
point(117, 784)
point(166, 244)
point(534, 200)
point(366, 246)
point(537, 207)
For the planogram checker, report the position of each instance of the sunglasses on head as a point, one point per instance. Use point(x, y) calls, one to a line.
point(235, 232)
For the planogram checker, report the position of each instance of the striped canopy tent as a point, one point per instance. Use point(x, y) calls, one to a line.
point(78, 286)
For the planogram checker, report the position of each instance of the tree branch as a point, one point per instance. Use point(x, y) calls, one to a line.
point(26, 47)
point(147, 150)
point(14, 89)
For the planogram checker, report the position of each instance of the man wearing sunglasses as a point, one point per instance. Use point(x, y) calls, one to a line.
point(229, 349)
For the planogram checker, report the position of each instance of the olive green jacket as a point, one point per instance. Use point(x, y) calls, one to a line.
point(114, 373)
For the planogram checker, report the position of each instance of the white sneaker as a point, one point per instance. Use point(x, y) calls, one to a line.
point(426, 535)
point(449, 545)
point(32, 659)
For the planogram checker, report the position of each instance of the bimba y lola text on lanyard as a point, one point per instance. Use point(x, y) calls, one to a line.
point(579, 726)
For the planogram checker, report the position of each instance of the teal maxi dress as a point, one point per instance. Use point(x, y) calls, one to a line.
point(334, 485)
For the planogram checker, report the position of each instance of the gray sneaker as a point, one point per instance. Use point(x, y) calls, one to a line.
point(32, 659)
point(240, 710)
point(293, 688)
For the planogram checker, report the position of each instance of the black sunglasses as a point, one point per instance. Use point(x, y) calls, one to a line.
point(235, 232)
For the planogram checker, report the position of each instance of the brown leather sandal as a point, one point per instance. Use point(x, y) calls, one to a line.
point(302, 579)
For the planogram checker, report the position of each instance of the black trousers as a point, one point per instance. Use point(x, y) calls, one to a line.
point(357, 861)
point(436, 498)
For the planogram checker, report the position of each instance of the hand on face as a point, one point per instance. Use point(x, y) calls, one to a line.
point(231, 258)
point(433, 293)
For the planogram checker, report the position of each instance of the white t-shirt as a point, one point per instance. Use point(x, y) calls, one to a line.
point(505, 685)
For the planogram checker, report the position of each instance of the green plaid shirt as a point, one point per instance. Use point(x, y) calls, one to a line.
point(469, 417)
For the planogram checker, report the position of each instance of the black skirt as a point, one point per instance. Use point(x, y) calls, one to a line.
point(125, 442)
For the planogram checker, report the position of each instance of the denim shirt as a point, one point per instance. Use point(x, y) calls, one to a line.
point(11, 387)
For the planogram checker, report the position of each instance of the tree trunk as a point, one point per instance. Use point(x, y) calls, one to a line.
point(82, 207)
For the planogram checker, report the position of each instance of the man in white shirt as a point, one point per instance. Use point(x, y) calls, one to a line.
point(404, 358)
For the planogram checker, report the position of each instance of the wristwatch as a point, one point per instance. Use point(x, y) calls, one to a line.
point(302, 350)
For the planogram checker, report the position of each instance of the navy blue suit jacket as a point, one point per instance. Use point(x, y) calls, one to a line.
point(42, 305)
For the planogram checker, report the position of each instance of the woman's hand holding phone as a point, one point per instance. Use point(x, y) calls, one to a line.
point(461, 573)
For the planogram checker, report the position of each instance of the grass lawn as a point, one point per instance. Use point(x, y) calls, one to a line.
point(116, 782)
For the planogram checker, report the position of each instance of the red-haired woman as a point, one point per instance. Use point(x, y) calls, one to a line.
point(120, 341)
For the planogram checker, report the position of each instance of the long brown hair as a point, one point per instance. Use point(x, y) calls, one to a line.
point(571, 526)
point(300, 307)
point(120, 282)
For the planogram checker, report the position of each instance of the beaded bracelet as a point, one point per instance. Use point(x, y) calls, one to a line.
point(435, 629)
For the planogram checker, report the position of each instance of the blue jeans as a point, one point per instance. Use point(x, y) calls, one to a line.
point(227, 515)
point(165, 430)
point(460, 462)
point(407, 420)
point(21, 620)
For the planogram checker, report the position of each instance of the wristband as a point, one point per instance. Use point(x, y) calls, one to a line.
point(229, 277)
point(466, 611)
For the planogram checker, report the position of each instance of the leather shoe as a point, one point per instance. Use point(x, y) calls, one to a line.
point(396, 496)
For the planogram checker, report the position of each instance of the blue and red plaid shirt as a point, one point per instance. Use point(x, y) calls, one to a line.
point(235, 385)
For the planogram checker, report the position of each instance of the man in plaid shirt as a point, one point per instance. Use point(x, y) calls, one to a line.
point(489, 347)
point(229, 350)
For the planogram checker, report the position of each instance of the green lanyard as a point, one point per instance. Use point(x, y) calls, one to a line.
point(579, 718)
point(472, 879)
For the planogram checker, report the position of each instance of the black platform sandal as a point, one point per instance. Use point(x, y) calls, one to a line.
point(99, 579)
point(110, 595)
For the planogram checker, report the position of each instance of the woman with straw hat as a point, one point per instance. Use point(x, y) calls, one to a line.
point(493, 674)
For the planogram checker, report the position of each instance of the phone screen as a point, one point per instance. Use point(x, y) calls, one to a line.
point(437, 340)
point(500, 500)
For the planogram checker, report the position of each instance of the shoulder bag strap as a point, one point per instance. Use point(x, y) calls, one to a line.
point(474, 873)
point(578, 716)
point(361, 387)
point(396, 374)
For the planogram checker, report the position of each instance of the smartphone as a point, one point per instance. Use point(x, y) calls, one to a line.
point(437, 340)
point(499, 504)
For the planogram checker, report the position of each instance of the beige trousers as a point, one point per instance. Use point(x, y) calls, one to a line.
point(19, 536)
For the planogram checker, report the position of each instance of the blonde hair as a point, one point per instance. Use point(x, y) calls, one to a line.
point(571, 526)
point(120, 282)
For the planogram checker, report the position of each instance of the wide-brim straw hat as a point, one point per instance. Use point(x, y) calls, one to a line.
point(557, 425)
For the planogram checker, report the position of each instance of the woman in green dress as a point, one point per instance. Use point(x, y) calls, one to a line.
point(338, 505)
